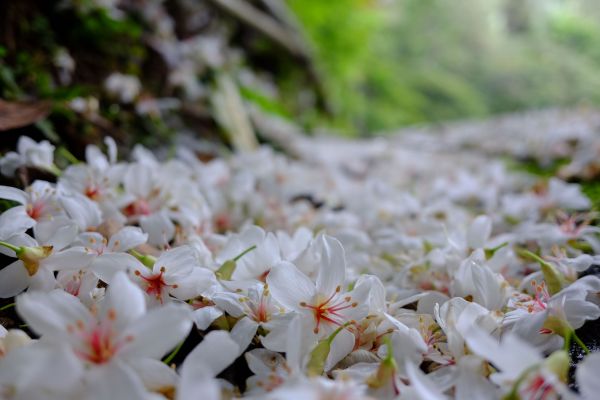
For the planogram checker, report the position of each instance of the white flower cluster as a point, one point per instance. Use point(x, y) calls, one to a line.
point(370, 270)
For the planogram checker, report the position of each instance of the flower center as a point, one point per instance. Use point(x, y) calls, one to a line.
point(538, 388)
point(258, 310)
point(328, 310)
point(155, 283)
point(98, 344)
point(35, 210)
point(92, 192)
point(138, 207)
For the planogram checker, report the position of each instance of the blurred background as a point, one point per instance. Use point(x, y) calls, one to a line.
point(392, 63)
point(237, 70)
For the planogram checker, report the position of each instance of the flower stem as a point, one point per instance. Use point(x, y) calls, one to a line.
point(10, 246)
point(172, 355)
point(6, 307)
point(567, 344)
point(147, 260)
point(68, 155)
point(580, 343)
point(243, 253)
point(54, 170)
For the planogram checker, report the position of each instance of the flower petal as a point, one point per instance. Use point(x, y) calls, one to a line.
point(157, 332)
point(13, 279)
point(289, 286)
point(127, 238)
point(243, 332)
point(178, 263)
point(14, 220)
point(50, 313)
point(114, 381)
point(107, 265)
point(14, 194)
point(479, 232)
point(125, 299)
point(216, 352)
point(71, 259)
point(332, 270)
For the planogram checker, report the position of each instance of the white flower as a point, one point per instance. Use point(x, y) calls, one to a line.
point(29, 154)
point(175, 274)
point(39, 204)
point(110, 256)
point(325, 302)
point(124, 87)
point(520, 366)
point(474, 279)
point(37, 261)
point(540, 317)
point(107, 343)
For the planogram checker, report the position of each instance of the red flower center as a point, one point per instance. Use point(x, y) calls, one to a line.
point(328, 310)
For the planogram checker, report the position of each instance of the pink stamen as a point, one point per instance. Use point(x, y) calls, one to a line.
point(323, 311)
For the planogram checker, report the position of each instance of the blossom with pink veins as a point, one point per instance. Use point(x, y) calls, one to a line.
point(110, 256)
point(39, 204)
point(98, 352)
point(325, 302)
point(174, 275)
point(541, 318)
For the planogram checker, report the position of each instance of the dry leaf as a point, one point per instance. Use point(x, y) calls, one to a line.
point(18, 114)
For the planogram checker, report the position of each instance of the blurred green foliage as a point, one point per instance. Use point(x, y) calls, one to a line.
point(399, 62)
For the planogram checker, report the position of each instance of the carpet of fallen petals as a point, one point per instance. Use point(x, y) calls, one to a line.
point(418, 266)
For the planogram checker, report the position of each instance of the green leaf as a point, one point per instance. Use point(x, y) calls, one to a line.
point(318, 357)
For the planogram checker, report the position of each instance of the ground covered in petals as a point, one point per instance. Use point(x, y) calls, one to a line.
point(419, 266)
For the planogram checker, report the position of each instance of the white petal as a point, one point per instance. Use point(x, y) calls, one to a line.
point(215, 353)
point(155, 374)
point(71, 259)
point(159, 227)
point(277, 337)
point(421, 384)
point(204, 316)
point(114, 381)
point(14, 194)
point(50, 313)
point(479, 232)
point(289, 286)
point(13, 279)
point(157, 332)
point(14, 220)
point(61, 233)
point(127, 238)
point(263, 361)
point(230, 303)
point(111, 149)
point(48, 367)
point(512, 356)
point(126, 299)
point(341, 346)
point(243, 332)
point(138, 180)
point(82, 210)
point(193, 285)
point(333, 265)
point(43, 280)
point(587, 376)
point(196, 379)
point(178, 263)
point(107, 265)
